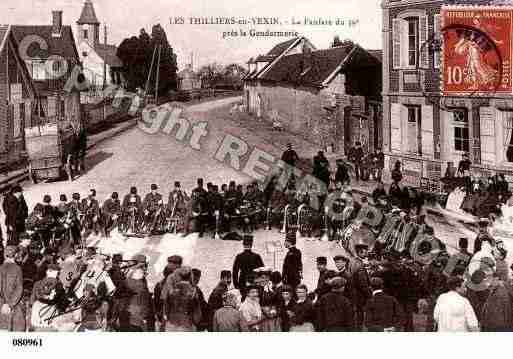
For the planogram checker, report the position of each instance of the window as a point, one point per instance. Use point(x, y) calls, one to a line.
point(38, 69)
point(413, 139)
point(413, 40)
point(461, 130)
point(85, 34)
point(508, 138)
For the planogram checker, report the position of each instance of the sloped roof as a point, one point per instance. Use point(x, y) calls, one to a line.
point(4, 30)
point(311, 69)
point(63, 46)
point(282, 46)
point(108, 53)
point(265, 58)
point(377, 54)
point(88, 16)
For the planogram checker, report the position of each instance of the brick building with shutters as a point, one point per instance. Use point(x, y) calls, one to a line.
point(332, 97)
point(417, 130)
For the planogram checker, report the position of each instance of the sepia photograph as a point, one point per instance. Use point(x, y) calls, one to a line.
point(254, 166)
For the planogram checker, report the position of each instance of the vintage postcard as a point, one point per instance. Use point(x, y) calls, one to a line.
point(254, 166)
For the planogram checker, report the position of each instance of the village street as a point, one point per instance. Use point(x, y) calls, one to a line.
point(138, 158)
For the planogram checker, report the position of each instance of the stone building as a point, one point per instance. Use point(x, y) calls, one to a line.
point(422, 129)
point(101, 64)
point(329, 96)
point(188, 80)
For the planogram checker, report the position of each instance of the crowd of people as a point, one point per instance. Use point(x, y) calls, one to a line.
point(392, 273)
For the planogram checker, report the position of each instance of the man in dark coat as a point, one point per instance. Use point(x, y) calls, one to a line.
point(111, 212)
point(292, 272)
point(360, 282)
point(382, 311)
point(321, 168)
point(215, 301)
point(290, 156)
point(356, 155)
point(482, 235)
point(244, 265)
point(12, 307)
point(334, 311)
point(322, 285)
point(151, 204)
point(16, 212)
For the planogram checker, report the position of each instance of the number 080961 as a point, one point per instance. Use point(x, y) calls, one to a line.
point(27, 342)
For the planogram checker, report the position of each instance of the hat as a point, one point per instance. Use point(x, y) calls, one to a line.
point(175, 260)
point(75, 196)
point(247, 240)
point(10, 251)
point(322, 260)
point(153, 186)
point(483, 222)
point(290, 237)
point(338, 282)
point(115, 195)
point(340, 258)
point(133, 190)
point(177, 184)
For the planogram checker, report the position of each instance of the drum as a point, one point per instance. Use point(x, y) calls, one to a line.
point(305, 219)
point(370, 216)
point(357, 234)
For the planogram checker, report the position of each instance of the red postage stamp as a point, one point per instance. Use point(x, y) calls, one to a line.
point(477, 46)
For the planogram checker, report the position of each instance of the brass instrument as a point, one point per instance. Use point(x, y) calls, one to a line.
point(172, 220)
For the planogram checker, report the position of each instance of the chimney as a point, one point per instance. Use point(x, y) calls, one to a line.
point(56, 23)
point(105, 34)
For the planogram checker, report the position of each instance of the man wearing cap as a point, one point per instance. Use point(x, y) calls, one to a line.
point(335, 311)
point(244, 264)
point(177, 205)
point(290, 156)
point(322, 286)
point(173, 263)
point(360, 282)
point(382, 312)
point(292, 271)
point(16, 212)
point(151, 205)
point(12, 308)
point(321, 168)
point(77, 211)
point(132, 209)
point(138, 314)
point(482, 235)
point(215, 300)
point(111, 212)
point(92, 213)
point(355, 155)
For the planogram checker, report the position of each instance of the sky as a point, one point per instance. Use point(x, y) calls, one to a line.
point(205, 42)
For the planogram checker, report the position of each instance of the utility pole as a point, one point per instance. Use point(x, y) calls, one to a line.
point(157, 77)
point(149, 73)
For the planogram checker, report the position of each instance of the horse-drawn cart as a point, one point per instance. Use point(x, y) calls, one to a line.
point(49, 149)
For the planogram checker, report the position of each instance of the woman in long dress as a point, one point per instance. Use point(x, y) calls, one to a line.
point(478, 71)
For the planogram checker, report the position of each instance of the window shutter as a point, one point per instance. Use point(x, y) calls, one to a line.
point(437, 28)
point(426, 122)
point(423, 48)
point(396, 42)
point(395, 127)
point(487, 127)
